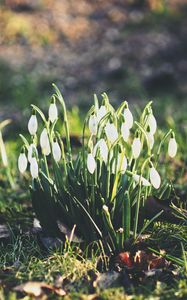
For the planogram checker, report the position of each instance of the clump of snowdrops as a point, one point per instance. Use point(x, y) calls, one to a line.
point(99, 191)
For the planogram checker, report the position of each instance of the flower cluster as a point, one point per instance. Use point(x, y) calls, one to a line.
point(109, 128)
point(103, 186)
point(48, 142)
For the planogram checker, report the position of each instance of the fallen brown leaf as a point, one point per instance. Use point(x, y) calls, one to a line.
point(37, 289)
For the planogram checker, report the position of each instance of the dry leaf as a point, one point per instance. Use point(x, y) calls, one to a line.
point(37, 289)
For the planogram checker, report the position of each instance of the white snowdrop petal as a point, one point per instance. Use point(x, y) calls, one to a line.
point(128, 117)
point(34, 168)
point(151, 140)
point(91, 164)
point(172, 147)
point(32, 150)
point(47, 149)
point(56, 151)
point(111, 132)
point(125, 132)
point(124, 165)
point(44, 138)
point(22, 162)
point(136, 147)
point(101, 113)
point(155, 178)
point(93, 124)
point(151, 122)
point(53, 112)
point(33, 125)
point(144, 181)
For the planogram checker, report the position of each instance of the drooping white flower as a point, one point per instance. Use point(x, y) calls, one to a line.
point(172, 147)
point(53, 112)
point(101, 113)
point(151, 123)
point(93, 123)
point(22, 162)
point(57, 153)
point(144, 181)
point(91, 163)
point(151, 139)
point(44, 142)
point(33, 124)
point(125, 132)
point(43, 138)
point(111, 132)
point(136, 147)
point(103, 148)
point(31, 151)
point(128, 117)
point(34, 168)
point(155, 178)
point(123, 166)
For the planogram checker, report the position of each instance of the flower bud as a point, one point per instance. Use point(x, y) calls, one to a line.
point(128, 117)
point(136, 147)
point(56, 151)
point(172, 147)
point(151, 139)
point(123, 165)
point(22, 162)
point(53, 112)
point(101, 113)
point(111, 132)
point(44, 142)
point(151, 122)
point(31, 151)
point(144, 181)
point(155, 178)
point(93, 124)
point(105, 208)
point(33, 124)
point(91, 164)
point(103, 149)
point(34, 168)
point(125, 132)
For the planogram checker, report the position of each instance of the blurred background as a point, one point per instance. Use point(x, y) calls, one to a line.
point(131, 49)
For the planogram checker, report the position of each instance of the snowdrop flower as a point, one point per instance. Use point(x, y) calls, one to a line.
point(125, 132)
point(34, 168)
point(101, 144)
point(32, 150)
point(44, 142)
point(121, 164)
point(101, 113)
point(91, 163)
point(93, 122)
point(154, 177)
point(150, 137)
point(33, 123)
point(144, 181)
point(151, 122)
point(136, 147)
point(111, 132)
point(56, 151)
point(172, 146)
point(128, 117)
point(53, 112)
point(22, 162)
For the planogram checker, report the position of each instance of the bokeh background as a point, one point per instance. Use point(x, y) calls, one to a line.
point(131, 49)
